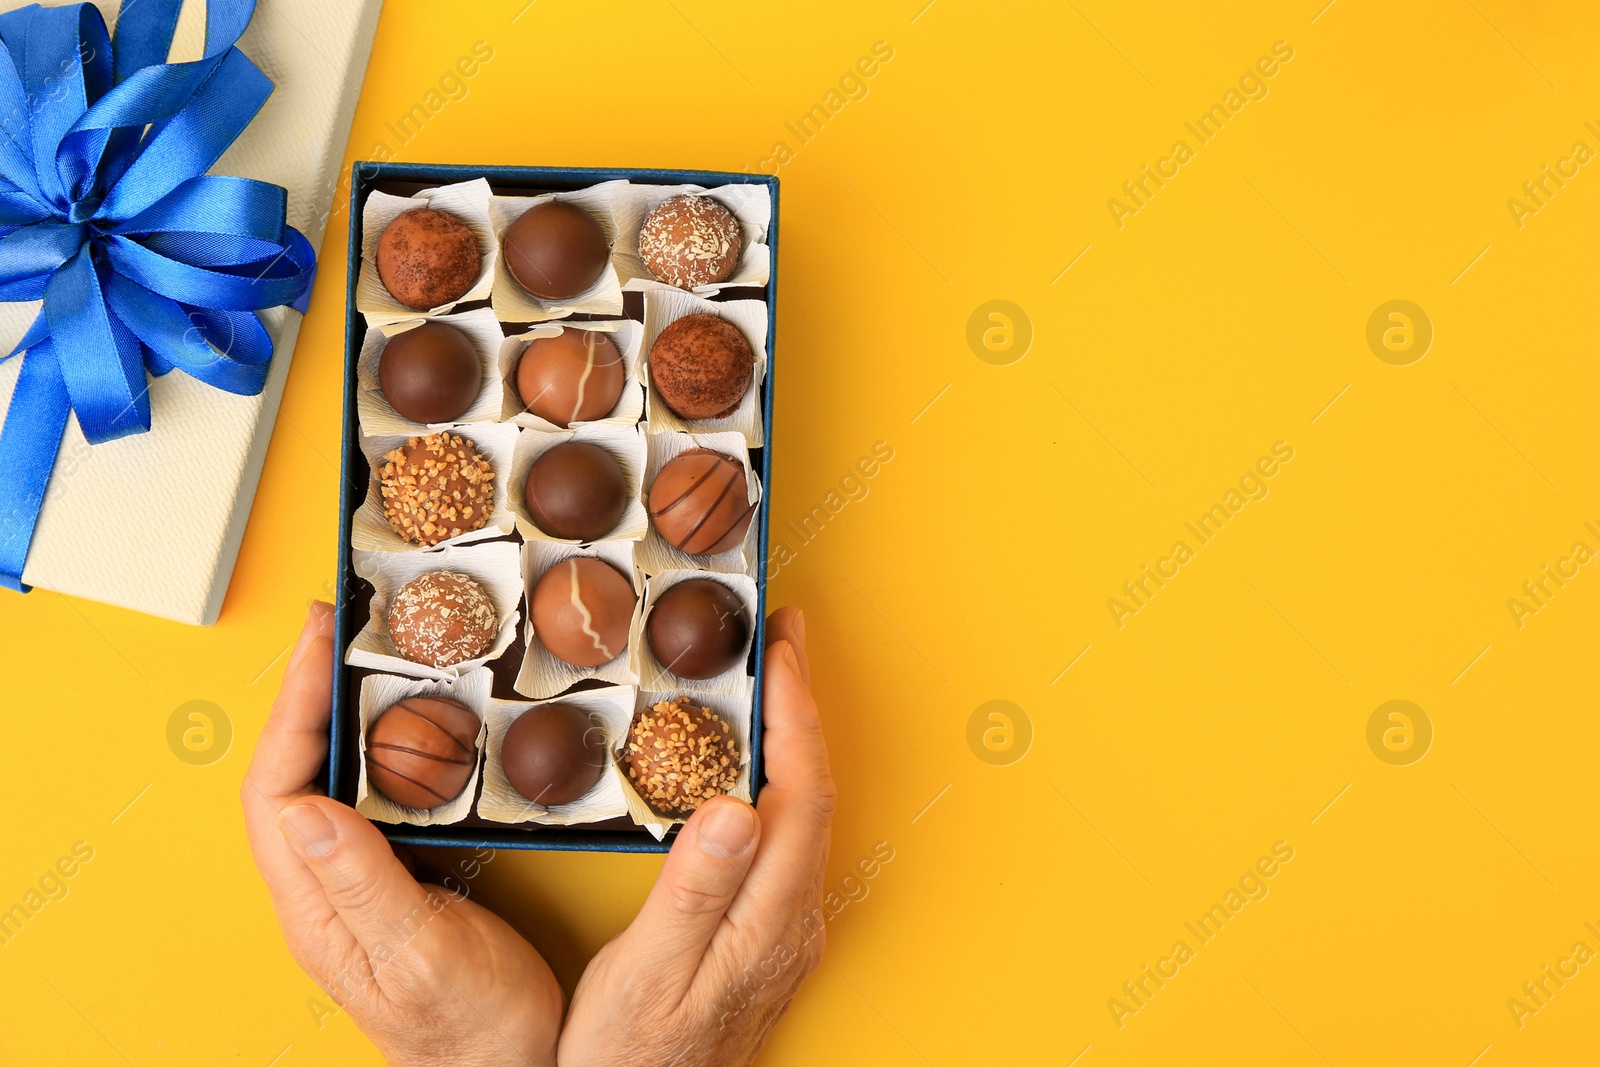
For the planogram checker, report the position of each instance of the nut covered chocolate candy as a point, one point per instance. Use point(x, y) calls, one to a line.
point(435, 488)
point(679, 756)
point(690, 240)
point(441, 619)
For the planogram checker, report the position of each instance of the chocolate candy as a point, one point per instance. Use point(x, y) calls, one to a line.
point(699, 504)
point(442, 618)
point(555, 250)
point(697, 629)
point(679, 756)
point(576, 376)
point(430, 373)
point(581, 609)
point(422, 751)
point(435, 488)
point(427, 258)
point(689, 241)
point(553, 754)
point(701, 367)
point(576, 491)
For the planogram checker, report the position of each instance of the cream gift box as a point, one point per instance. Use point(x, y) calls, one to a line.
point(315, 53)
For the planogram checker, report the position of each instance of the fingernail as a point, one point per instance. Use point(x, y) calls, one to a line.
point(309, 831)
point(800, 627)
point(727, 829)
point(789, 658)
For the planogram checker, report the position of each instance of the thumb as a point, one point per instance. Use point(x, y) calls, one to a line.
point(379, 902)
point(702, 875)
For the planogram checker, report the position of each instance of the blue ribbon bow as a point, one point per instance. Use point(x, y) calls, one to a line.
point(143, 260)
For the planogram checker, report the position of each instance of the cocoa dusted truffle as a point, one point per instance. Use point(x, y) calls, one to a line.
point(679, 756)
point(435, 488)
point(430, 373)
point(576, 376)
point(576, 491)
point(581, 609)
point(553, 754)
point(701, 367)
point(427, 258)
point(689, 241)
point(699, 503)
point(697, 629)
point(441, 619)
point(422, 751)
point(556, 250)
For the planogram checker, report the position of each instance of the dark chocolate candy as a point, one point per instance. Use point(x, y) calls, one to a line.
point(430, 373)
point(697, 629)
point(555, 250)
point(553, 754)
point(576, 491)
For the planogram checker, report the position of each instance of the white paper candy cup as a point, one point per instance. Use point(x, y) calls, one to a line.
point(655, 555)
point(657, 676)
point(371, 532)
point(626, 445)
point(467, 201)
point(611, 709)
point(495, 566)
point(734, 708)
point(512, 303)
point(376, 414)
point(544, 674)
point(624, 333)
point(750, 204)
point(662, 307)
point(379, 693)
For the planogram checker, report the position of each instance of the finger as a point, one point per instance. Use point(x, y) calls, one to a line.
point(287, 756)
point(375, 899)
point(702, 875)
point(789, 624)
point(796, 804)
point(294, 741)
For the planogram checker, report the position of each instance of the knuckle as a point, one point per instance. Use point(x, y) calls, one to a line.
point(691, 899)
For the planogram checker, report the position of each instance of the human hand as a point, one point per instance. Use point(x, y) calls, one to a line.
point(430, 977)
point(735, 922)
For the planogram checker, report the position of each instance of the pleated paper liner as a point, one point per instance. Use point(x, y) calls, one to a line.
point(626, 445)
point(494, 565)
point(611, 709)
point(513, 303)
point(626, 334)
point(655, 553)
point(733, 708)
point(750, 204)
point(662, 307)
point(495, 442)
point(657, 676)
point(379, 693)
point(467, 201)
point(378, 416)
point(544, 674)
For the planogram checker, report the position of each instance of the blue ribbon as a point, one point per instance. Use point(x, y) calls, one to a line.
point(145, 262)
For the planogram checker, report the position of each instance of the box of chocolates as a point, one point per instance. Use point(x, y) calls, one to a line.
point(553, 532)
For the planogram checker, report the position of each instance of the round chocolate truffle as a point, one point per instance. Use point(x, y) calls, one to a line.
point(422, 751)
point(699, 504)
point(435, 488)
point(553, 754)
point(689, 241)
point(701, 367)
point(430, 373)
point(697, 629)
point(442, 618)
point(581, 609)
point(576, 376)
point(556, 250)
point(576, 491)
point(681, 755)
point(427, 258)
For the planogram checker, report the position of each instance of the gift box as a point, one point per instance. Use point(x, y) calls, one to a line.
point(508, 681)
point(153, 520)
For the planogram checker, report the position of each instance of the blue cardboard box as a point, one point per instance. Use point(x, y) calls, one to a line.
point(350, 609)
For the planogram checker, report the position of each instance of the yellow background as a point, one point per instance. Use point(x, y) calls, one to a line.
point(1223, 717)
